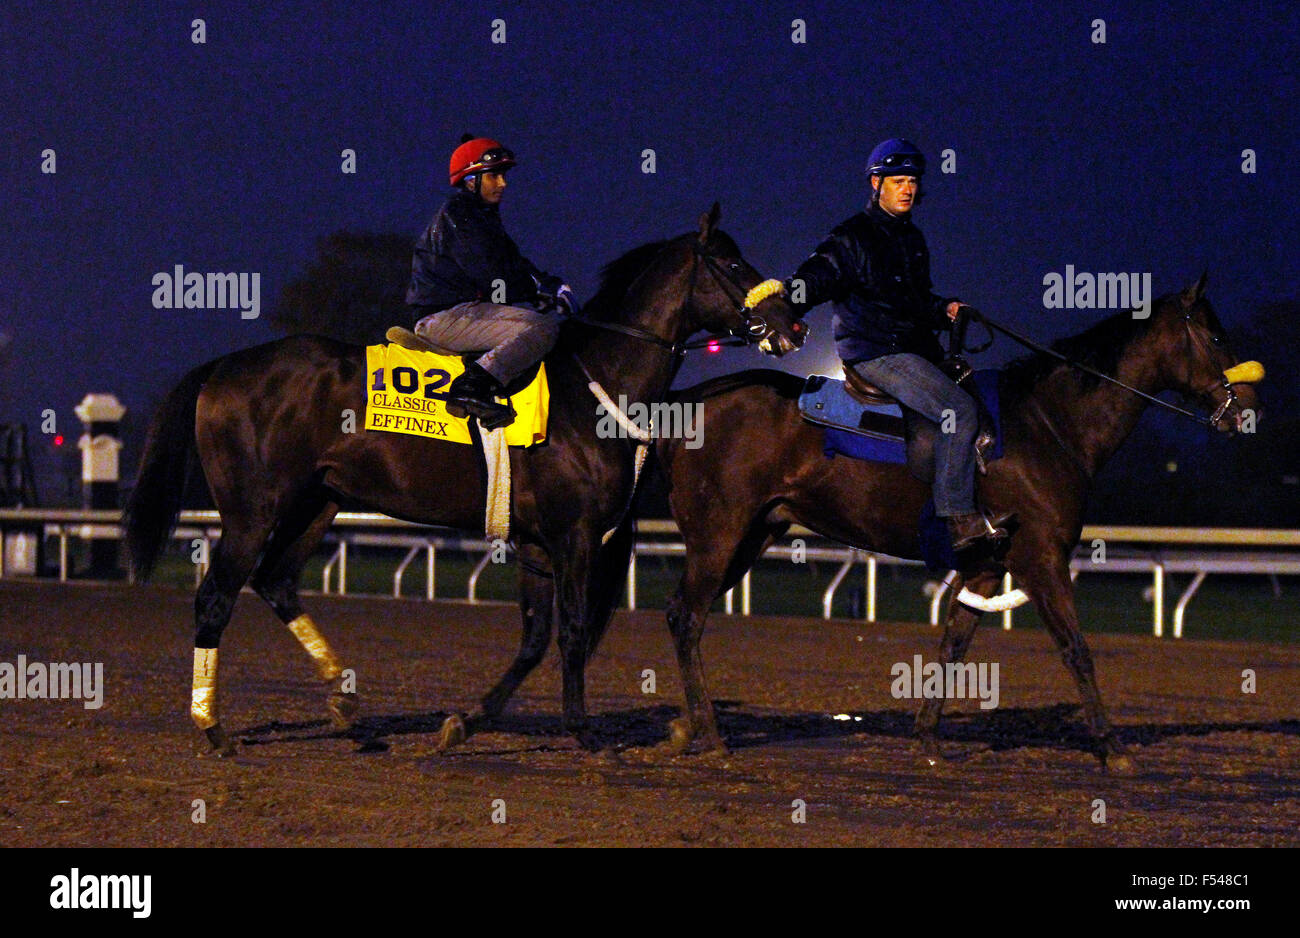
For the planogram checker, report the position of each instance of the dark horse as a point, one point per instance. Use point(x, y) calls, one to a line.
point(762, 468)
point(267, 425)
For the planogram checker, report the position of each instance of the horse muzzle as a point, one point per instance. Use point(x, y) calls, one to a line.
point(778, 343)
point(1242, 406)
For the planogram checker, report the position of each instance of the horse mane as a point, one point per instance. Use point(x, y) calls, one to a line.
point(1101, 347)
point(617, 277)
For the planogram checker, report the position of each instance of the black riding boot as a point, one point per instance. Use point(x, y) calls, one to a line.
point(473, 394)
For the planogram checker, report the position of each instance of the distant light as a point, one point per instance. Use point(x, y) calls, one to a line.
point(714, 346)
point(58, 439)
point(1171, 466)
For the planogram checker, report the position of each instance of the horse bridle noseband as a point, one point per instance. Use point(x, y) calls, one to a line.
point(1230, 401)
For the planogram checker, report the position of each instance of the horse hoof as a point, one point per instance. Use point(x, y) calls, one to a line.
point(219, 744)
point(1121, 764)
point(930, 756)
point(453, 732)
point(343, 709)
point(680, 735)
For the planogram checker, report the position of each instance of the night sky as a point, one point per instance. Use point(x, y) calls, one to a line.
point(226, 156)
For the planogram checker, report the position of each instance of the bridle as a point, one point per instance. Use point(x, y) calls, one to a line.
point(1226, 382)
point(752, 328)
point(1230, 402)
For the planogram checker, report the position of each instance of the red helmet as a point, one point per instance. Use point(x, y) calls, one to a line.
point(480, 154)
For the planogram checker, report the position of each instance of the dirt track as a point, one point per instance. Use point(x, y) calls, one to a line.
point(1219, 767)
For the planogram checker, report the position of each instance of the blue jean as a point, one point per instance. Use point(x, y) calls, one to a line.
point(924, 388)
point(517, 336)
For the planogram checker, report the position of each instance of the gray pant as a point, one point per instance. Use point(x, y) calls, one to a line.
point(924, 388)
point(517, 336)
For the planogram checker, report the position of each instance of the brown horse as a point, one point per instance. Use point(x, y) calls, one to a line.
point(269, 428)
point(763, 468)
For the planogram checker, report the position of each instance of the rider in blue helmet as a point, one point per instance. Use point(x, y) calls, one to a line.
point(875, 268)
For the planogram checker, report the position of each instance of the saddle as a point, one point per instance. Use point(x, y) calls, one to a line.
point(880, 421)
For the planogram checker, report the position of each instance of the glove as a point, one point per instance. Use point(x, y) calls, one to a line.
point(548, 285)
point(554, 288)
point(566, 296)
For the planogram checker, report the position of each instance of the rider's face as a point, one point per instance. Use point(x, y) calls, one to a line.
point(491, 186)
point(897, 193)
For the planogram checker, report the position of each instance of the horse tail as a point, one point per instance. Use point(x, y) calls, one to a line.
point(165, 469)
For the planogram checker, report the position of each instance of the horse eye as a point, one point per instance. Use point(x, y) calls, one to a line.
point(1216, 339)
point(735, 267)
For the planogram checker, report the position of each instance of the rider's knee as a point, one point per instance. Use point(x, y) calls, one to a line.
point(548, 326)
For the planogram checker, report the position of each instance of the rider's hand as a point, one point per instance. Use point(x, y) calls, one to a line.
point(953, 309)
point(565, 296)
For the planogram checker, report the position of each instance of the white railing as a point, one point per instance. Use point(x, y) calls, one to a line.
point(661, 538)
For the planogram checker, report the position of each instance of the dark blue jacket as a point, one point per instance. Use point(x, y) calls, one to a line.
point(875, 268)
point(464, 249)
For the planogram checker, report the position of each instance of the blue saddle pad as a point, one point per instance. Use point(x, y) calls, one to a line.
point(859, 431)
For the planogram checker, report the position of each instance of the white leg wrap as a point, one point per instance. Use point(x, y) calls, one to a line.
point(1001, 603)
point(203, 696)
point(305, 631)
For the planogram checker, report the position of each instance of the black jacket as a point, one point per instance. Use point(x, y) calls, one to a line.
point(462, 251)
point(875, 267)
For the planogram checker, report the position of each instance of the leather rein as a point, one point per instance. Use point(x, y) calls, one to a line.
point(1223, 408)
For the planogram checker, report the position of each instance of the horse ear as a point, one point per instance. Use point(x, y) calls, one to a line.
point(709, 221)
point(1197, 290)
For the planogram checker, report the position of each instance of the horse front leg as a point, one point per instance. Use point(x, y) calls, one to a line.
point(957, 634)
point(536, 604)
point(576, 589)
point(1053, 594)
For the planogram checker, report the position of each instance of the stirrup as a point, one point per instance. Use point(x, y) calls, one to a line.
point(983, 443)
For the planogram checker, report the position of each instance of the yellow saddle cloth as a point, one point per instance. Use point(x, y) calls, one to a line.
point(405, 389)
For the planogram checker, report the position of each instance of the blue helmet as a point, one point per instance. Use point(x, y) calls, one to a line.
point(896, 157)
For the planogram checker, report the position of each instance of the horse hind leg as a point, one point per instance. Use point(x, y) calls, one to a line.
point(276, 581)
point(957, 634)
point(536, 605)
point(232, 561)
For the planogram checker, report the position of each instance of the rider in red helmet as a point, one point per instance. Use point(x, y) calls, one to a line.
point(472, 289)
point(875, 267)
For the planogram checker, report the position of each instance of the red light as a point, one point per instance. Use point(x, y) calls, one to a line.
point(714, 346)
point(58, 439)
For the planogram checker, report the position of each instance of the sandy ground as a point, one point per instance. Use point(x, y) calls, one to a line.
point(1218, 766)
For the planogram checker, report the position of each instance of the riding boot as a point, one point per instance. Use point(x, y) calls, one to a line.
point(1005, 523)
point(977, 538)
point(968, 531)
point(474, 393)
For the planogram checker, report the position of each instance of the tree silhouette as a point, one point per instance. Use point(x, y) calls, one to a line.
point(353, 290)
